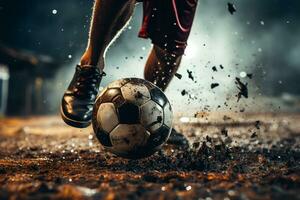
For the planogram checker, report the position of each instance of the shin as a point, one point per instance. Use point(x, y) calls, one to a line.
point(161, 67)
point(109, 17)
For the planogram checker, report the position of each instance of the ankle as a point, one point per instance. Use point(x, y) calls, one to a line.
point(87, 60)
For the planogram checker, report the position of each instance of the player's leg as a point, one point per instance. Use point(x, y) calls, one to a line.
point(168, 24)
point(161, 67)
point(109, 16)
point(169, 30)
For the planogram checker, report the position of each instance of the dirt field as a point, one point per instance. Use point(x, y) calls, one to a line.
point(245, 156)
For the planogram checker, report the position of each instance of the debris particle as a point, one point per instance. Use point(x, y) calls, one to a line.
point(221, 66)
point(224, 132)
point(243, 89)
point(183, 92)
point(225, 118)
point(191, 75)
point(254, 135)
point(257, 124)
point(208, 139)
point(214, 85)
point(179, 76)
point(214, 69)
point(250, 76)
point(231, 8)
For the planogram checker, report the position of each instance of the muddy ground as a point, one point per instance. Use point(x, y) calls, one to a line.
point(241, 156)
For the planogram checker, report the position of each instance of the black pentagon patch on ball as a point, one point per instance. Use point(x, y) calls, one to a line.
point(158, 96)
point(110, 94)
point(159, 137)
point(129, 113)
point(103, 137)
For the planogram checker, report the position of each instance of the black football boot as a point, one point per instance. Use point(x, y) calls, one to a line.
point(78, 100)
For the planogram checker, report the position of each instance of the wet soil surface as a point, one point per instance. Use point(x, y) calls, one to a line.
point(248, 156)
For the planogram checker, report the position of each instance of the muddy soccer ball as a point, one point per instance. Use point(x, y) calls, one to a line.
point(132, 118)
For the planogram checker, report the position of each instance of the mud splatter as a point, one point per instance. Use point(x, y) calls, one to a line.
point(191, 76)
point(224, 132)
point(179, 76)
point(250, 76)
point(231, 8)
point(214, 85)
point(139, 95)
point(254, 135)
point(243, 89)
point(257, 125)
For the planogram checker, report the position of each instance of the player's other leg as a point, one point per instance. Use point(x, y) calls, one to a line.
point(109, 17)
point(169, 26)
point(161, 67)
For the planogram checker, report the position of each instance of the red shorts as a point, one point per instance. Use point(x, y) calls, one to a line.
point(168, 23)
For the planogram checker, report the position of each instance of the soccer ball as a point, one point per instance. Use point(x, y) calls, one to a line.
point(132, 118)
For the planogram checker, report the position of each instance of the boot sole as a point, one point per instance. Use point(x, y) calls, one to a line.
point(72, 122)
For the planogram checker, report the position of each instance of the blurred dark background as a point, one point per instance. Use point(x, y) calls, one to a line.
point(36, 42)
point(41, 41)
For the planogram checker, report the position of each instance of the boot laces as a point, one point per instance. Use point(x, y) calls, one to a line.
point(87, 83)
